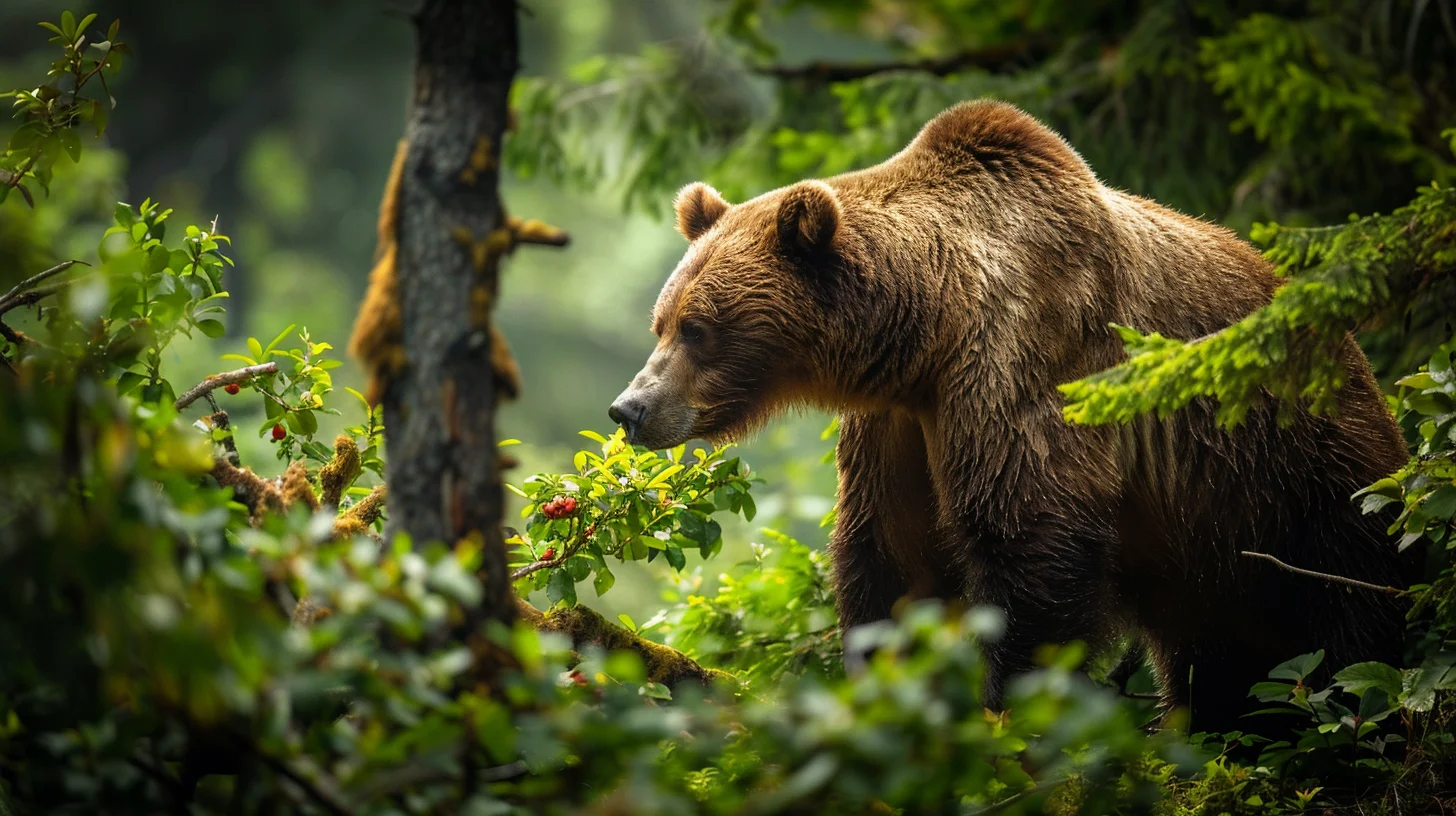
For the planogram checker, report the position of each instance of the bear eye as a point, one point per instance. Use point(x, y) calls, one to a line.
point(692, 332)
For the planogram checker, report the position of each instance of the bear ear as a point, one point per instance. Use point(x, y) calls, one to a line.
point(698, 208)
point(808, 217)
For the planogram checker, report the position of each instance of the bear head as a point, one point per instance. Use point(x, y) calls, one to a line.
point(739, 320)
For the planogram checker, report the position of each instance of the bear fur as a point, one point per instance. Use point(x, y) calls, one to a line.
point(935, 301)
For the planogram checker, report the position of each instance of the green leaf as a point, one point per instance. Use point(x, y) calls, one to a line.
point(1268, 691)
point(594, 436)
point(505, 443)
point(211, 328)
point(627, 621)
point(603, 581)
point(255, 348)
point(661, 479)
point(307, 421)
point(128, 382)
point(71, 142)
point(277, 340)
point(1361, 677)
point(1440, 503)
point(675, 558)
point(1298, 668)
point(656, 691)
point(560, 589)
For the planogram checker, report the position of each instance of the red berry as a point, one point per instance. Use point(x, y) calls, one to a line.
point(579, 678)
point(549, 554)
point(568, 505)
point(279, 432)
point(231, 388)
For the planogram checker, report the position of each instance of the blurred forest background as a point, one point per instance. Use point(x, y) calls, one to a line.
point(281, 118)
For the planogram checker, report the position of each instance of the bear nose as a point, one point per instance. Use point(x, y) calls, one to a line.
point(628, 413)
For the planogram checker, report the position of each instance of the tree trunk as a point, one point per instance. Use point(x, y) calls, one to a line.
point(439, 368)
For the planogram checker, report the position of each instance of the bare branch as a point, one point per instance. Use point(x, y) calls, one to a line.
point(36, 279)
point(1323, 576)
point(989, 59)
point(196, 392)
point(33, 296)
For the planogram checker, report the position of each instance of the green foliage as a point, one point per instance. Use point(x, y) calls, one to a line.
point(1302, 112)
point(50, 113)
point(771, 617)
point(1338, 277)
point(627, 503)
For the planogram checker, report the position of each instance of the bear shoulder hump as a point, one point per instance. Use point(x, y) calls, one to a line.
point(994, 135)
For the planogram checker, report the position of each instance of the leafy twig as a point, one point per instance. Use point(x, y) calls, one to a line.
point(196, 392)
point(1324, 576)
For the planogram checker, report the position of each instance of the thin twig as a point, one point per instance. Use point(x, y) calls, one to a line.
point(35, 279)
point(324, 799)
point(1324, 576)
point(244, 374)
point(997, 807)
point(34, 296)
point(986, 58)
point(537, 566)
point(168, 782)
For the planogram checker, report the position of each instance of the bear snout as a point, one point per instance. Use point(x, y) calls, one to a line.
point(653, 417)
point(628, 412)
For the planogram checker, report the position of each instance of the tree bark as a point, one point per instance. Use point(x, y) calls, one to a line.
point(438, 365)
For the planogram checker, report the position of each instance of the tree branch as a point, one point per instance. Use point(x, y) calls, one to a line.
point(196, 392)
point(1323, 576)
point(36, 279)
point(584, 625)
point(990, 59)
point(33, 296)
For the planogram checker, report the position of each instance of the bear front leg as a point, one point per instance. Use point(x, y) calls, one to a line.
point(885, 546)
point(1048, 581)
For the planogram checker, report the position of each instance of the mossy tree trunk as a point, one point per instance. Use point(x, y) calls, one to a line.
point(438, 366)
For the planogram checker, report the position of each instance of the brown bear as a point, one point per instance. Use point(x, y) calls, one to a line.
point(935, 301)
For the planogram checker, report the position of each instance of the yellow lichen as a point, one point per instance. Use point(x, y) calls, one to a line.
point(584, 626)
point(532, 231)
point(358, 519)
point(341, 471)
point(379, 328)
point(259, 495)
point(503, 364)
point(296, 489)
point(481, 160)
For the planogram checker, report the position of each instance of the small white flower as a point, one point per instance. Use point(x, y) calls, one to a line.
point(661, 535)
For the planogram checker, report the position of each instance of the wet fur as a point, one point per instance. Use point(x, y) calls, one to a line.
point(936, 301)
